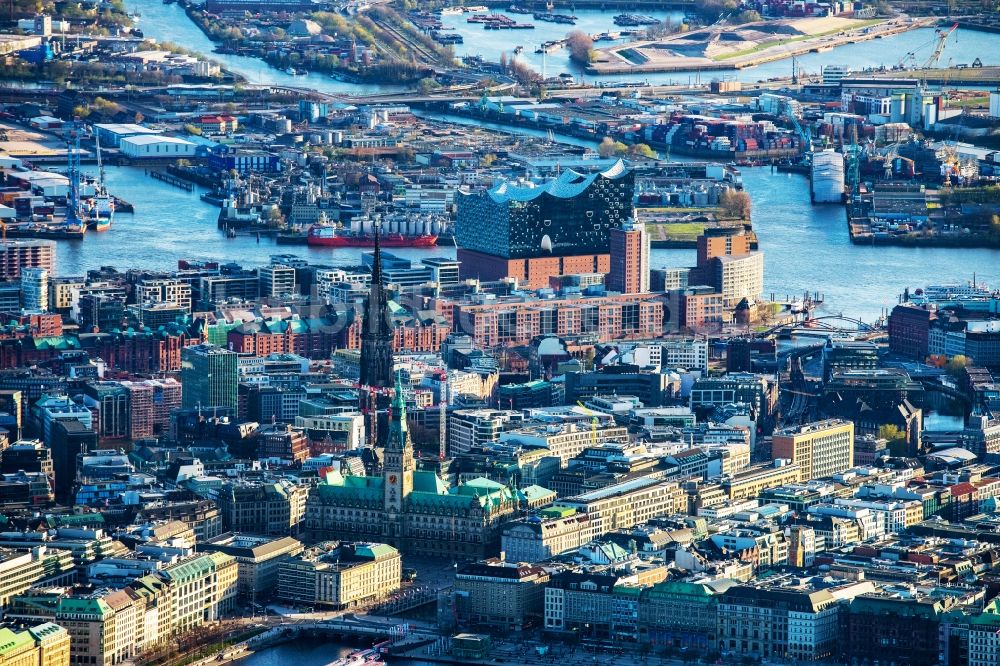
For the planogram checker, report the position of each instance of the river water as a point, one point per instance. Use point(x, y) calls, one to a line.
point(310, 652)
point(963, 46)
point(169, 23)
point(806, 247)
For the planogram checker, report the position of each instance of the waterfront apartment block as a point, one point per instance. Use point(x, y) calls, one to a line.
point(629, 272)
point(18, 254)
point(339, 577)
point(500, 594)
point(531, 272)
point(258, 559)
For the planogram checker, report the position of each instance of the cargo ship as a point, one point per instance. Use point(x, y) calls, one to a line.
point(330, 236)
point(394, 231)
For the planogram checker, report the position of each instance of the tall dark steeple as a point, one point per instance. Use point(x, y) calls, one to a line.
point(376, 345)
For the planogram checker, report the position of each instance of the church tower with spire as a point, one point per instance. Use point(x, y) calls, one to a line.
point(376, 345)
point(398, 465)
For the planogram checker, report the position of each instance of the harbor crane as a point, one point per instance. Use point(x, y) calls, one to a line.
point(940, 41)
point(787, 109)
point(890, 156)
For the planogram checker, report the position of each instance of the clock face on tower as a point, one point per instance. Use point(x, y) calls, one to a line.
point(392, 478)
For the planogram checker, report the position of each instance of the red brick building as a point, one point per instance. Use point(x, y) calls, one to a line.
point(533, 273)
point(909, 330)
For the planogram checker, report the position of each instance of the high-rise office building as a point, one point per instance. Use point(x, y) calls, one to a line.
point(35, 289)
point(110, 401)
point(208, 376)
point(629, 259)
point(537, 232)
point(820, 449)
point(150, 403)
point(728, 263)
point(16, 255)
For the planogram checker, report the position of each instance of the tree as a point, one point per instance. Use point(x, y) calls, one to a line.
point(956, 364)
point(81, 111)
point(487, 160)
point(427, 84)
point(192, 129)
point(747, 16)
point(606, 147)
point(275, 218)
point(735, 204)
point(581, 47)
point(895, 438)
point(642, 150)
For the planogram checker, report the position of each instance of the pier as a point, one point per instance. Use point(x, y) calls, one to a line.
point(171, 179)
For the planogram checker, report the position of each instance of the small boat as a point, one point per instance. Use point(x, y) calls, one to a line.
point(369, 657)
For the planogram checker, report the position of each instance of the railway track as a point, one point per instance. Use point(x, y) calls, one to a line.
point(429, 57)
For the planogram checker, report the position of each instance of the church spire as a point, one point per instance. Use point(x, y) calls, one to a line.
point(376, 332)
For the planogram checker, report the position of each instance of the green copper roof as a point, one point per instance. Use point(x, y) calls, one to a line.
point(43, 631)
point(398, 403)
point(13, 642)
point(900, 607)
point(190, 569)
point(429, 482)
point(375, 550)
point(83, 606)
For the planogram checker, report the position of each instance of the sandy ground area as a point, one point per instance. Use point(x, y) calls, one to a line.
point(736, 46)
point(25, 142)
